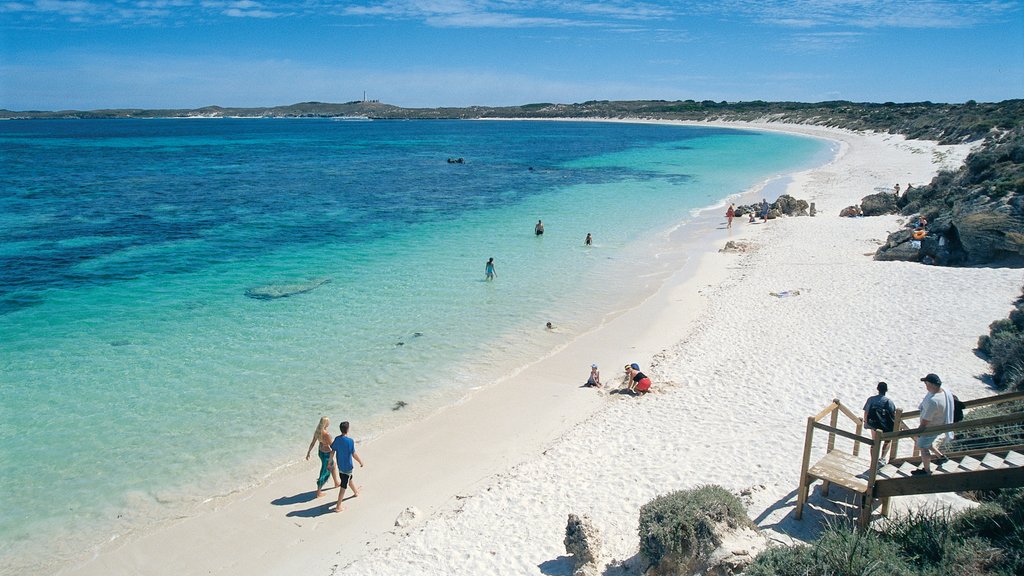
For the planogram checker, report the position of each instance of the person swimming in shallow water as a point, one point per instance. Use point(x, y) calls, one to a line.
point(489, 272)
point(589, 240)
point(539, 228)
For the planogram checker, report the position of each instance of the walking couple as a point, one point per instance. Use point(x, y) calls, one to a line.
point(336, 459)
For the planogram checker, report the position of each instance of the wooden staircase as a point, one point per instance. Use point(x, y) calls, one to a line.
point(983, 462)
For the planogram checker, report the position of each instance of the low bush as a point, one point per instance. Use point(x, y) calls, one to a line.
point(841, 551)
point(984, 541)
point(1004, 347)
point(682, 524)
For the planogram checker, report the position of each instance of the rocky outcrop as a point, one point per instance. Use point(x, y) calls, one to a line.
point(584, 544)
point(976, 215)
point(784, 205)
point(879, 204)
point(737, 246)
point(850, 212)
point(789, 206)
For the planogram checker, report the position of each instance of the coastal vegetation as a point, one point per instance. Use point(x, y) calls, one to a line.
point(946, 123)
point(987, 541)
point(1003, 346)
point(975, 214)
point(681, 528)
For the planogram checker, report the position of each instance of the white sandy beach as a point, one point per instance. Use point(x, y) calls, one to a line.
point(736, 371)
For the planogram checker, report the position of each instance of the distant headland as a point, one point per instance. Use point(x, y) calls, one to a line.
point(946, 123)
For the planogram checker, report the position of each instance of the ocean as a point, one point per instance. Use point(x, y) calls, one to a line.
point(182, 299)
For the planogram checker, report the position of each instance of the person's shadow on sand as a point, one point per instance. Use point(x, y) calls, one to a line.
point(325, 508)
point(296, 499)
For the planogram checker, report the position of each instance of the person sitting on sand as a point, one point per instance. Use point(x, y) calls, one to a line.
point(640, 383)
point(327, 469)
point(343, 451)
point(595, 377)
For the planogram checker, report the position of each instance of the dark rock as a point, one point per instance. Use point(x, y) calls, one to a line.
point(850, 212)
point(879, 204)
point(584, 544)
point(789, 206)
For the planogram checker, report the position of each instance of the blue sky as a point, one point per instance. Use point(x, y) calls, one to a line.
point(85, 54)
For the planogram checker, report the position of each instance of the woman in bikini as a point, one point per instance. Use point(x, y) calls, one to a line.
point(322, 436)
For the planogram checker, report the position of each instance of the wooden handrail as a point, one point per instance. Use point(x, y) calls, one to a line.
point(844, 433)
point(955, 427)
point(988, 401)
point(828, 410)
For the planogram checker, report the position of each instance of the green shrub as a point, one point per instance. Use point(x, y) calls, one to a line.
point(784, 561)
point(999, 521)
point(841, 551)
point(1004, 346)
point(682, 524)
point(922, 536)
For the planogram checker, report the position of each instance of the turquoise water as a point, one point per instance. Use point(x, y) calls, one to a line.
point(138, 379)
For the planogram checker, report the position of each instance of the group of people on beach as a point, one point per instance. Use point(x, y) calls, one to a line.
point(763, 208)
point(634, 381)
point(938, 408)
point(336, 459)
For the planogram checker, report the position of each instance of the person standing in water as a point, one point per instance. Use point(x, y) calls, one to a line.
point(489, 273)
point(539, 228)
point(343, 451)
point(589, 240)
point(327, 470)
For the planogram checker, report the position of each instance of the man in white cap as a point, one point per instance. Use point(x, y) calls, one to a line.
point(936, 410)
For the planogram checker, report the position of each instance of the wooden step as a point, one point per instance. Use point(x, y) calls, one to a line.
point(993, 462)
point(970, 464)
point(1014, 458)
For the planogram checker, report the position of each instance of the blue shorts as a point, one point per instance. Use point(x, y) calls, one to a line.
point(925, 442)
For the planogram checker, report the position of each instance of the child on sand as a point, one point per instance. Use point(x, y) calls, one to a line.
point(595, 377)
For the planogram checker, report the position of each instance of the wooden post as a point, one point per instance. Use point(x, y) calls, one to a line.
point(833, 422)
point(804, 487)
point(868, 498)
point(896, 427)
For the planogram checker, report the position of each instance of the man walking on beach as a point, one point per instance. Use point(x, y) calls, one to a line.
point(936, 410)
point(343, 450)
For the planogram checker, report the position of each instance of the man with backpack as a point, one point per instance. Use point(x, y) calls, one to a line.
point(937, 409)
point(879, 417)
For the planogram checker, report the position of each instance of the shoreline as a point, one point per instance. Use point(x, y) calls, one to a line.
point(516, 423)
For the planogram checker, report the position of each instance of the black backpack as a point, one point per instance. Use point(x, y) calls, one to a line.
point(880, 417)
point(958, 409)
